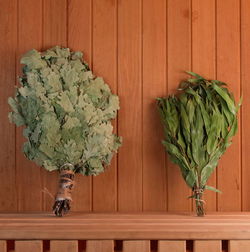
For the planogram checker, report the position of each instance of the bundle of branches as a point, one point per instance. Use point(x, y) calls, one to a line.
point(199, 124)
point(67, 114)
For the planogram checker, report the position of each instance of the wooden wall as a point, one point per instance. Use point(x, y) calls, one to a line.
point(141, 48)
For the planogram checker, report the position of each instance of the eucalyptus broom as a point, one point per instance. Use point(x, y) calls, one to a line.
point(199, 124)
point(67, 114)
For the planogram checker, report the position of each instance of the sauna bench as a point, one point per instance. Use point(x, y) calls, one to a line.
point(125, 226)
point(136, 232)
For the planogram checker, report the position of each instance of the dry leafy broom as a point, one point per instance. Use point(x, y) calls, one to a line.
point(67, 114)
point(199, 124)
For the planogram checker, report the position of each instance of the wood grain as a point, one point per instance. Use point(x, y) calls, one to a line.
point(245, 65)
point(54, 33)
point(130, 115)
point(104, 64)
point(8, 45)
point(132, 246)
point(80, 38)
point(179, 43)
point(3, 246)
point(228, 70)
point(238, 246)
point(28, 246)
point(176, 246)
point(100, 246)
point(125, 227)
point(204, 60)
point(207, 246)
point(64, 246)
point(29, 37)
point(142, 49)
point(154, 75)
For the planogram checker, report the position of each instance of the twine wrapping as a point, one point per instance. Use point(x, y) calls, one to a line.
point(66, 183)
point(198, 191)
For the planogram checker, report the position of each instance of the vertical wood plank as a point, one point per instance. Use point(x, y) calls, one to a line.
point(245, 66)
point(28, 246)
point(179, 60)
point(54, 23)
point(8, 42)
point(204, 60)
point(130, 115)
point(228, 70)
point(207, 246)
point(239, 245)
point(132, 246)
point(28, 173)
point(3, 246)
point(63, 246)
point(80, 38)
point(54, 33)
point(105, 65)
point(176, 246)
point(154, 85)
point(100, 246)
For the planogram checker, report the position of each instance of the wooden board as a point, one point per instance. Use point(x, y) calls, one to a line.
point(204, 61)
point(130, 115)
point(179, 43)
point(238, 246)
point(154, 75)
point(8, 43)
point(124, 227)
point(28, 246)
point(208, 246)
point(228, 70)
point(100, 246)
point(63, 246)
point(245, 66)
point(54, 33)
point(132, 246)
point(80, 38)
point(3, 246)
point(29, 37)
point(176, 246)
point(104, 65)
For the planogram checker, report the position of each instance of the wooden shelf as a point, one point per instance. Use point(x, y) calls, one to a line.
point(158, 226)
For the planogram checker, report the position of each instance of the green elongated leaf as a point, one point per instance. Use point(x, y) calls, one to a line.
point(195, 75)
point(176, 153)
point(212, 189)
point(232, 130)
point(213, 161)
point(197, 139)
point(190, 110)
point(199, 125)
point(181, 141)
point(226, 97)
point(228, 115)
point(192, 92)
point(194, 80)
point(185, 123)
point(190, 178)
point(206, 117)
point(183, 99)
point(212, 136)
point(219, 83)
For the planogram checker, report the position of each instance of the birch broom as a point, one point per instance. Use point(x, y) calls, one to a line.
point(67, 114)
point(199, 124)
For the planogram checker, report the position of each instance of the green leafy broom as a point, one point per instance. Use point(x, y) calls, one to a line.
point(67, 114)
point(199, 124)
